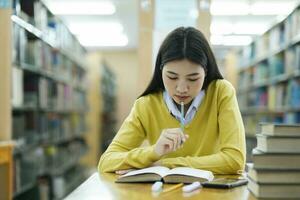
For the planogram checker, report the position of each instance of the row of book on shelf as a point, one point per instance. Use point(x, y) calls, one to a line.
point(35, 16)
point(32, 90)
point(273, 97)
point(281, 36)
point(31, 128)
point(275, 171)
point(39, 56)
point(109, 102)
point(48, 163)
point(285, 64)
point(36, 55)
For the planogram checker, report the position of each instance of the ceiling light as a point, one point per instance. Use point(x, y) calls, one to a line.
point(78, 28)
point(216, 39)
point(104, 40)
point(262, 8)
point(81, 7)
point(257, 8)
point(250, 28)
point(229, 8)
point(221, 28)
point(247, 28)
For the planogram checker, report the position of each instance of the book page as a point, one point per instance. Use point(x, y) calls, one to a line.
point(187, 171)
point(160, 170)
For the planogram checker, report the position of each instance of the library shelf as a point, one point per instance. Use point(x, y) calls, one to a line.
point(49, 100)
point(269, 77)
point(251, 64)
point(39, 34)
point(274, 80)
point(24, 189)
point(265, 110)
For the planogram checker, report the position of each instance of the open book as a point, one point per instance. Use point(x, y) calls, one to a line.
point(157, 173)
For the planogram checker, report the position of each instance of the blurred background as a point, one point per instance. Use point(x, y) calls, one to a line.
point(72, 69)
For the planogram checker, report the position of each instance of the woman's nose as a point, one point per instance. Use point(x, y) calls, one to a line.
point(182, 87)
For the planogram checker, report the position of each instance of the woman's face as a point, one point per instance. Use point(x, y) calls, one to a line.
point(183, 80)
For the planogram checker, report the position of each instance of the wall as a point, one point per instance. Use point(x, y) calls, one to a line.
point(5, 67)
point(230, 68)
point(93, 115)
point(125, 66)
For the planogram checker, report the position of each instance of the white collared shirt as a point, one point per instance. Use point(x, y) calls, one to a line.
point(191, 111)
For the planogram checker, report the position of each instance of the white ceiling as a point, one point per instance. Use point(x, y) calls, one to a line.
point(126, 14)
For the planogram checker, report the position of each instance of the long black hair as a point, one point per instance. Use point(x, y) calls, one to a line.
point(179, 44)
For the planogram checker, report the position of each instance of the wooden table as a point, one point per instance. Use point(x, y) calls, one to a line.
point(104, 187)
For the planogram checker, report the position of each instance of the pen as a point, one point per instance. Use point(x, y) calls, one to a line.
point(173, 187)
point(182, 116)
point(182, 119)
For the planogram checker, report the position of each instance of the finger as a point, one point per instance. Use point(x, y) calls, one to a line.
point(174, 130)
point(178, 142)
point(181, 134)
point(181, 138)
point(168, 145)
point(121, 172)
point(174, 139)
point(166, 141)
point(168, 138)
point(186, 136)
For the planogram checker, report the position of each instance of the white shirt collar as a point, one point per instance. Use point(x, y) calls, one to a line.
point(174, 110)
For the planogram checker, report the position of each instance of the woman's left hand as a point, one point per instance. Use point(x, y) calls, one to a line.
point(124, 171)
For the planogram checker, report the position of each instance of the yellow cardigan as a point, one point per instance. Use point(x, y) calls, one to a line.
point(216, 135)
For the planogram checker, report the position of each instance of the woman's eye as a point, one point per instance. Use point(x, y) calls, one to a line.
point(172, 78)
point(194, 79)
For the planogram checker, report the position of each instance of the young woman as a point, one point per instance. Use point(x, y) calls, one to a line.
point(213, 136)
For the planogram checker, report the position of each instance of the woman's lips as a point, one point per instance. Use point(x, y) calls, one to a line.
point(181, 98)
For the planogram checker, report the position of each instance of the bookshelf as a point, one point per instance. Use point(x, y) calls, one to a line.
point(109, 101)
point(269, 77)
point(43, 100)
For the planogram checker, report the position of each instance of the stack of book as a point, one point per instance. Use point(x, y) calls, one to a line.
point(275, 172)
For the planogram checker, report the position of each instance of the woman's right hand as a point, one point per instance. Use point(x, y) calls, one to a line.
point(170, 140)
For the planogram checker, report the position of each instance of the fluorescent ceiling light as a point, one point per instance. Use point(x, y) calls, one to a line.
point(262, 8)
point(230, 40)
point(99, 34)
point(104, 40)
point(229, 8)
point(256, 8)
point(78, 28)
point(221, 28)
point(81, 7)
point(247, 28)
